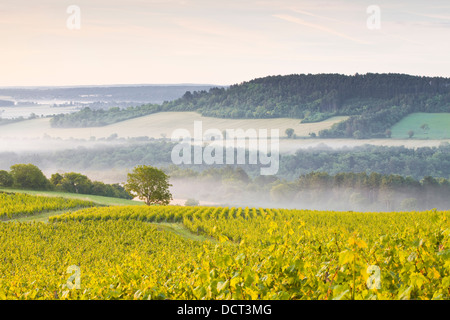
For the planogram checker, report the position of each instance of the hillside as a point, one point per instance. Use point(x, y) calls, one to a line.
point(158, 125)
point(375, 102)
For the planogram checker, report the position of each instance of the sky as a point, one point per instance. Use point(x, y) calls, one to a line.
point(217, 42)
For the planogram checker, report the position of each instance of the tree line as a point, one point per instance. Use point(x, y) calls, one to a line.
point(319, 190)
point(365, 191)
point(417, 163)
point(30, 177)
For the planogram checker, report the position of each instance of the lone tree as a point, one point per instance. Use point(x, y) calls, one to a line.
point(425, 127)
point(388, 133)
point(150, 184)
point(289, 132)
point(410, 133)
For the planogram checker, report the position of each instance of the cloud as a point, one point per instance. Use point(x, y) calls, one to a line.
point(427, 15)
point(319, 27)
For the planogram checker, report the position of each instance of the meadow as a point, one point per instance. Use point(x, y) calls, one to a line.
point(438, 123)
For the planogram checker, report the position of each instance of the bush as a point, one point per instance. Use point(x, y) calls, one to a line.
point(28, 176)
point(409, 204)
point(6, 180)
point(191, 203)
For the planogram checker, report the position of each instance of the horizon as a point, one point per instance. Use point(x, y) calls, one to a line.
point(203, 84)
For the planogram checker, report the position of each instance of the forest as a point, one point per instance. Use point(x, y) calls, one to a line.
point(417, 163)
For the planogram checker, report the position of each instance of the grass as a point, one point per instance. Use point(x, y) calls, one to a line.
point(41, 217)
point(180, 230)
point(104, 201)
point(176, 228)
point(439, 126)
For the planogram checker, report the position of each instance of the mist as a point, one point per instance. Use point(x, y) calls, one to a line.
point(238, 194)
point(94, 158)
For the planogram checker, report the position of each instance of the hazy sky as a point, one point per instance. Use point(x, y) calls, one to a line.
point(217, 42)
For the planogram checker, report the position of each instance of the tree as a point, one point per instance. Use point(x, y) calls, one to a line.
point(149, 184)
point(289, 132)
point(6, 180)
point(282, 192)
point(56, 179)
point(425, 127)
point(410, 133)
point(29, 176)
point(191, 203)
point(358, 134)
point(388, 133)
point(409, 204)
point(76, 183)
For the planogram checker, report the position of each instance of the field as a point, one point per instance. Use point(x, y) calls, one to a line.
point(439, 126)
point(132, 252)
point(159, 124)
point(13, 205)
point(99, 200)
point(31, 135)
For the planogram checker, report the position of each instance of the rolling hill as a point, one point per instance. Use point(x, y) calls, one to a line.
point(374, 102)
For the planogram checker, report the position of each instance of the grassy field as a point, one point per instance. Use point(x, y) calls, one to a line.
point(159, 124)
point(105, 201)
point(439, 126)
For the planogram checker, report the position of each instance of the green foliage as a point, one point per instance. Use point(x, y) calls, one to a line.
point(149, 184)
point(283, 192)
point(13, 205)
point(372, 191)
point(251, 254)
point(99, 118)
point(28, 176)
point(73, 182)
point(424, 125)
point(6, 179)
point(415, 162)
point(289, 132)
point(358, 134)
point(191, 203)
point(388, 133)
point(375, 102)
point(434, 161)
point(409, 204)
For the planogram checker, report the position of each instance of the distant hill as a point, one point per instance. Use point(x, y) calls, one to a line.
point(6, 103)
point(375, 102)
point(136, 94)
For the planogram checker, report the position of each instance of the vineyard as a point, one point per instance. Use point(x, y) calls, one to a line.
point(13, 205)
point(250, 253)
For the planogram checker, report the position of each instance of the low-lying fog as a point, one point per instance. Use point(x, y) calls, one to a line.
point(226, 193)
